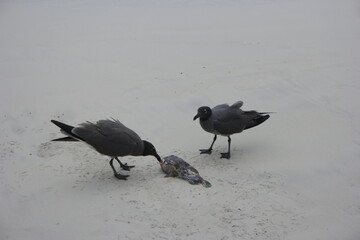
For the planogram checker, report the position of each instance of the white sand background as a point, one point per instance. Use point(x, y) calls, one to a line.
point(151, 64)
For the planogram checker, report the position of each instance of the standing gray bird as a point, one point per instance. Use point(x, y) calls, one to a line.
point(226, 120)
point(111, 138)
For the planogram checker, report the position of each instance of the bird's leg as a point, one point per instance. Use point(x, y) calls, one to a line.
point(208, 151)
point(124, 166)
point(227, 154)
point(117, 175)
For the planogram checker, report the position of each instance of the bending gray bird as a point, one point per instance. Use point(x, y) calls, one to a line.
point(226, 120)
point(111, 138)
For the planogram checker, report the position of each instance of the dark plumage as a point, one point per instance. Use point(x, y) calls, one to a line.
point(226, 120)
point(111, 138)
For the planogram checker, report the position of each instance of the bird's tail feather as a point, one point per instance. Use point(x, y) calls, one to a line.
point(63, 126)
point(257, 120)
point(65, 139)
point(266, 112)
point(67, 130)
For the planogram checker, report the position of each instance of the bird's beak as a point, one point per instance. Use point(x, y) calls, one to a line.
point(196, 116)
point(158, 158)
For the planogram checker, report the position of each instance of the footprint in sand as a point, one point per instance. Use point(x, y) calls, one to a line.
point(49, 149)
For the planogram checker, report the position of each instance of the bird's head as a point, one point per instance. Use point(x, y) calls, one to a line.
point(203, 113)
point(149, 150)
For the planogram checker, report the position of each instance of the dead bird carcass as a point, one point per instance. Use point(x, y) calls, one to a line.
point(174, 166)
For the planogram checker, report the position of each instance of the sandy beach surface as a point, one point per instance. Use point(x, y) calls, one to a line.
point(151, 64)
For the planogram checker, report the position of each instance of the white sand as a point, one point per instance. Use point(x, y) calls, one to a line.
point(151, 65)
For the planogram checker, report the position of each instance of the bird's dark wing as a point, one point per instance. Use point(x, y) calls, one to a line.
point(110, 138)
point(220, 107)
point(228, 121)
point(232, 122)
point(238, 104)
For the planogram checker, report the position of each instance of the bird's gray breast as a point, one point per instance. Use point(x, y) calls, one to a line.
point(216, 113)
point(208, 125)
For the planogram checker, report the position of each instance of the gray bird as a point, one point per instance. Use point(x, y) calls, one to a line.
point(226, 120)
point(111, 138)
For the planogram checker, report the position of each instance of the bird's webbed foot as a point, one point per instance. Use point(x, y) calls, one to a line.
point(205, 151)
point(125, 166)
point(121, 176)
point(225, 155)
